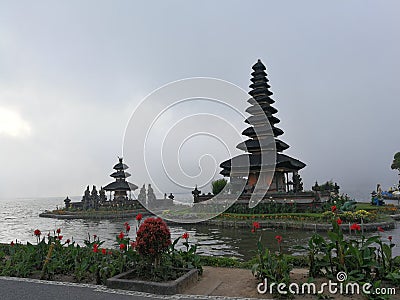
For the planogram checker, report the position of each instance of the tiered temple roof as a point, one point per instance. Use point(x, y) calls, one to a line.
point(258, 133)
point(120, 183)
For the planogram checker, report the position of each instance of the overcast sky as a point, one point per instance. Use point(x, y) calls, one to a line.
point(72, 72)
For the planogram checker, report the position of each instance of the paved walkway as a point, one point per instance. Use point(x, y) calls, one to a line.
point(31, 289)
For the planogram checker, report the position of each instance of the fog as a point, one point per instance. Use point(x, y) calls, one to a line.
point(73, 72)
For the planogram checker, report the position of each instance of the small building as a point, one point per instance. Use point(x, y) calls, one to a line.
point(120, 187)
point(286, 177)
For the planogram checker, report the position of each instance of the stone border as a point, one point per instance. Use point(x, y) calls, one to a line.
point(176, 286)
point(94, 216)
point(367, 227)
point(309, 226)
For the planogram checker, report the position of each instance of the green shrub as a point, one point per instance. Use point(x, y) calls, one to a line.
point(218, 185)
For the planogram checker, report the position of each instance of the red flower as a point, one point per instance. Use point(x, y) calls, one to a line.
point(95, 248)
point(278, 238)
point(58, 230)
point(60, 237)
point(104, 251)
point(256, 225)
point(355, 226)
point(37, 232)
point(380, 229)
point(133, 244)
point(390, 238)
point(122, 246)
point(339, 221)
point(127, 228)
point(68, 241)
point(109, 252)
point(12, 244)
point(253, 230)
point(94, 236)
point(126, 224)
point(185, 236)
point(334, 208)
point(139, 217)
point(121, 235)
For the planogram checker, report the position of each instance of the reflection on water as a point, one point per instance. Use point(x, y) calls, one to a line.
point(19, 218)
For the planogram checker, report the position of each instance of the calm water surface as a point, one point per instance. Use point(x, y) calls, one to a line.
point(19, 218)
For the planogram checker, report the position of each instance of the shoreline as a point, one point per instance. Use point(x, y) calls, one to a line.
point(309, 226)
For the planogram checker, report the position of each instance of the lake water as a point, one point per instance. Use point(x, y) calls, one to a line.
point(20, 217)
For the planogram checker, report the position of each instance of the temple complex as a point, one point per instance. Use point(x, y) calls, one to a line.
point(286, 177)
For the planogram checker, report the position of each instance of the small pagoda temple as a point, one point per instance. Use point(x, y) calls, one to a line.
point(286, 177)
point(120, 186)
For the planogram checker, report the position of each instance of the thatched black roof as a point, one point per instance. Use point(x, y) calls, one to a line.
point(120, 174)
point(254, 161)
point(254, 145)
point(120, 185)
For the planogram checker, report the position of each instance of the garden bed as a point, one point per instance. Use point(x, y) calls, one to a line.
point(128, 281)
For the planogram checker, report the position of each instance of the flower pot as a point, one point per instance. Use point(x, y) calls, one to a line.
point(177, 286)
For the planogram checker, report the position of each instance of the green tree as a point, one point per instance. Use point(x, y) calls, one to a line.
point(218, 185)
point(396, 162)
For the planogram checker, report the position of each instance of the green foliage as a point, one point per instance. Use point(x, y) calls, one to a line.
point(363, 259)
point(275, 267)
point(396, 162)
point(218, 185)
point(91, 263)
point(263, 208)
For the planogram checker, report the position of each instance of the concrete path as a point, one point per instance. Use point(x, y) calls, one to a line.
point(12, 288)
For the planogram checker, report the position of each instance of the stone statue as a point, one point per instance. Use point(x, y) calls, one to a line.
point(86, 199)
point(297, 183)
point(348, 206)
point(102, 195)
point(142, 195)
point(94, 198)
point(151, 197)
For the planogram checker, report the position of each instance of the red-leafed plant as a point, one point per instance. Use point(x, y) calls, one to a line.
point(153, 239)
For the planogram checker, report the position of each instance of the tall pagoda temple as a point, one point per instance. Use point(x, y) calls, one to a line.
point(120, 186)
point(286, 176)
